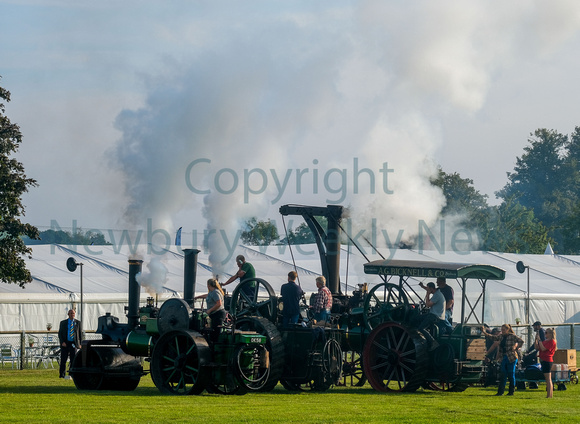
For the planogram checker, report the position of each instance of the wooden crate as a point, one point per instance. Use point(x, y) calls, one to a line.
point(566, 356)
point(476, 350)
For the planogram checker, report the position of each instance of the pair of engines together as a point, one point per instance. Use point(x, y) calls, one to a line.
point(184, 356)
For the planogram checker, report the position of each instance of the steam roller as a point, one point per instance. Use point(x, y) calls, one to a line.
point(176, 341)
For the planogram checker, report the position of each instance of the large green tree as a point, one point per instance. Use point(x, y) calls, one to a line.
point(13, 184)
point(513, 228)
point(545, 179)
point(509, 227)
point(300, 235)
point(462, 199)
point(259, 233)
point(571, 231)
point(67, 237)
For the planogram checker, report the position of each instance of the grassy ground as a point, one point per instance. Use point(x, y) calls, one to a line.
point(40, 396)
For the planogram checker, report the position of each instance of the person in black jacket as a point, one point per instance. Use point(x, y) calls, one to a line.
point(69, 337)
point(291, 294)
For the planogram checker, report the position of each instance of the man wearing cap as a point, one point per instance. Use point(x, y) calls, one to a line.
point(447, 292)
point(531, 356)
point(435, 301)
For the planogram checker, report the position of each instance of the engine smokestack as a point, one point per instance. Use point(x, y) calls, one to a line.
point(333, 248)
point(135, 267)
point(189, 274)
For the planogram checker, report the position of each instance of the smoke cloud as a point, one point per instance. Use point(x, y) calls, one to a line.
point(313, 90)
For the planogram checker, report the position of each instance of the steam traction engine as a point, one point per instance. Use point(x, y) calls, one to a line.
point(376, 330)
point(184, 358)
point(301, 358)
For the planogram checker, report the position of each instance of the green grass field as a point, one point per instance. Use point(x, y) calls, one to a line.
point(40, 396)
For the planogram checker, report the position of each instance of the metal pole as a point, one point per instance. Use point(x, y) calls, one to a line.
point(528, 303)
point(528, 328)
point(82, 304)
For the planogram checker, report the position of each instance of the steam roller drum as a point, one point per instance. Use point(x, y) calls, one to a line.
point(174, 314)
point(105, 368)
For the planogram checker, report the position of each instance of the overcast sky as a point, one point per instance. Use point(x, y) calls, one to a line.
point(195, 113)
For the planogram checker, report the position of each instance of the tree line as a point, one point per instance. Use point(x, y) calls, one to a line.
point(540, 203)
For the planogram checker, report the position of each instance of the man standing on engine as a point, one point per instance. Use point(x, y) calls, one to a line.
point(245, 272)
point(291, 294)
point(323, 303)
point(448, 294)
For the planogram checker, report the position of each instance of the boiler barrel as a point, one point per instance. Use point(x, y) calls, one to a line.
point(138, 344)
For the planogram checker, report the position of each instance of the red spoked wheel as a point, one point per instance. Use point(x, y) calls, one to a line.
point(395, 358)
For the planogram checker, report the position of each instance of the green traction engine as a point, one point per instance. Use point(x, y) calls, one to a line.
point(185, 357)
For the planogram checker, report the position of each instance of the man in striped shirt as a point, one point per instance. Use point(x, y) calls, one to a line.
point(323, 303)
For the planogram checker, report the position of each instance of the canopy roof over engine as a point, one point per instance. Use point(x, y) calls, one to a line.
point(430, 269)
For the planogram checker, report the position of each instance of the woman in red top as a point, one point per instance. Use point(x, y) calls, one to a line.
point(546, 349)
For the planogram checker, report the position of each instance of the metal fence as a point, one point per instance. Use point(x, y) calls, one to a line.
point(32, 350)
point(565, 334)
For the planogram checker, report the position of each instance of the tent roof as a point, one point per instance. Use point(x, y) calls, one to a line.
point(105, 269)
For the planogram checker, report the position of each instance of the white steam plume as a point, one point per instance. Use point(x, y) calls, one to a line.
point(315, 90)
point(155, 278)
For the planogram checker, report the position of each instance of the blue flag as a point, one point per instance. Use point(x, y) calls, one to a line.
point(178, 237)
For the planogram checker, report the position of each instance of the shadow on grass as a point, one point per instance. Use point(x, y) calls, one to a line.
point(144, 391)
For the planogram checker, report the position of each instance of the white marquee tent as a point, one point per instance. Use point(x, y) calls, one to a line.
point(554, 281)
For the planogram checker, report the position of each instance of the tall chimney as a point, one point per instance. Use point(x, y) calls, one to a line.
point(189, 274)
point(135, 266)
point(333, 248)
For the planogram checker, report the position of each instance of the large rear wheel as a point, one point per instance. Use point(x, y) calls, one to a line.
point(395, 358)
point(179, 363)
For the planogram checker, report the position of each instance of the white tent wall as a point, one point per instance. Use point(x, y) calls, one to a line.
point(554, 281)
point(54, 289)
point(36, 312)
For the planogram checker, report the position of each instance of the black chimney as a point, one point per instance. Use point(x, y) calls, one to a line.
point(333, 248)
point(135, 266)
point(189, 274)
